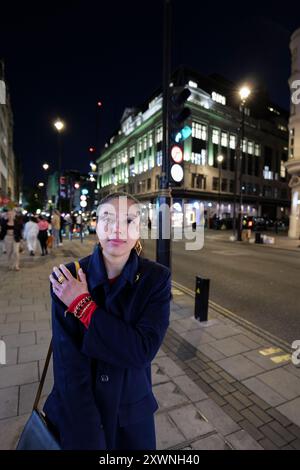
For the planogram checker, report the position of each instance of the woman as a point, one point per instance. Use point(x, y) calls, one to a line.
point(103, 345)
point(55, 224)
point(31, 231)
point(12, 232)
point(43, 234)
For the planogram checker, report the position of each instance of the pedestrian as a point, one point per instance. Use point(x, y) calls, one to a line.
point(13, 228)
point(31, 231)
point(61, 229)
point(107, 328)
point(55, 223)
point(3, 218)
point(43, 234)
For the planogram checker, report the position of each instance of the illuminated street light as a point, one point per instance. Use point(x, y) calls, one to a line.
point(46, 166)
point(41, 185)
point(220, 159)
point(244, 92)
point(59, 125)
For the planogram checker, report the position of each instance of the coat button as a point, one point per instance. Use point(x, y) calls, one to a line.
point(104, 378)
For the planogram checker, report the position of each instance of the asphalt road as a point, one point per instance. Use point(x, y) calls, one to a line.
point(258, 283)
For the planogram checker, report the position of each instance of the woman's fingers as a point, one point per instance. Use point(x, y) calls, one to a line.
point(58, 273)
point(54, 282)
point(66, 272)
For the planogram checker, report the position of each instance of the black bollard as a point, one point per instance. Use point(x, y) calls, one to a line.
point(201, 298)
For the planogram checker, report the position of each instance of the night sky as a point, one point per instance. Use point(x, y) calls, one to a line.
point(62, 57)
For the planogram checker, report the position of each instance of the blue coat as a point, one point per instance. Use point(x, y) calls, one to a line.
point(102, 375)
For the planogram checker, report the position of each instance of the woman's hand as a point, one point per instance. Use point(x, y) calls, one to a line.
point(70, 288)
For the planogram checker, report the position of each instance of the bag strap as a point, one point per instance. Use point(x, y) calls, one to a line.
point(49, 353)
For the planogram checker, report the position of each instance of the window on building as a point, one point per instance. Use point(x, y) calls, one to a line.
point(250, 147)
point(150, 140)
point(149, 184)
point(198, 181)
point(224, 139)
point(231, 186)
point(159, 134)
point(232, 141)
point(145, 143)
point(268, 175)
point(159, 158)
point(257, 150)
point(282, 169)
point(224, 184)
point(157, 182)
point(244, 145)
point(215, 136)
point(215, 184)
point(199, 158)
point(199, 131)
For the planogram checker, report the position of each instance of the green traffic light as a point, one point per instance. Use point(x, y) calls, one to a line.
point(183, 134)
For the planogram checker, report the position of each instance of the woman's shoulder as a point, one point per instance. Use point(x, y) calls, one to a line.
point(154, 269)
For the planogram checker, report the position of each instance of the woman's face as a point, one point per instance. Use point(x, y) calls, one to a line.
point(118, 226)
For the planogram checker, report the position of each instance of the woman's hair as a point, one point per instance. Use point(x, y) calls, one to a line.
point(115, 195)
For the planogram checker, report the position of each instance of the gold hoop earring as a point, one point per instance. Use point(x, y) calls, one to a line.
point(138, 247)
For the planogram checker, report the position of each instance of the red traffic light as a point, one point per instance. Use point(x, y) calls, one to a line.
point(99, 104)
point(92, 149)
point(177, 154)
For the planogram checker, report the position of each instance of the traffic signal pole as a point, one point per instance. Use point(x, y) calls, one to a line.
point(163, 241)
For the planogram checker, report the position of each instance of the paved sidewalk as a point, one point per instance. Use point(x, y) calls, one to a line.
point(218, 384)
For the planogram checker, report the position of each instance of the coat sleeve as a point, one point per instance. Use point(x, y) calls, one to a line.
point(80, 424)
point(111, 339)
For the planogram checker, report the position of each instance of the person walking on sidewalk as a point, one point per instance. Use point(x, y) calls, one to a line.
point(3, 218)
point(31, 231)
point(13, 228)
point(43, 234)
point(55, 223)
point(107, 327)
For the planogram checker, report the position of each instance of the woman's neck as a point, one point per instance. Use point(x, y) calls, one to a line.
point(114, 264)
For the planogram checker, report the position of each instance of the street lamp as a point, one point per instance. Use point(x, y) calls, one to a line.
point(41, 185)
point(220, 159)
point(59, 126)
point(244, 93)
point(45, 166)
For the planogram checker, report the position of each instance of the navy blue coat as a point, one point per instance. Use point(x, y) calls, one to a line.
point(102, 375)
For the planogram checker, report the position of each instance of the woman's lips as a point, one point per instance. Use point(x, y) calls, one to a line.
point(116, 241)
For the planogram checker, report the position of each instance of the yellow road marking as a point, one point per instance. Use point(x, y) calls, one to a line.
point(279, 359)
point(269, 351)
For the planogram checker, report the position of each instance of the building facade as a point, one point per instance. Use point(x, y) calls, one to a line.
point(131, 159)
point(293, 164)
point(9, 181)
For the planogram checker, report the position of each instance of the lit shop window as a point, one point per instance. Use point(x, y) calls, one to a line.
point(199, 131)
point(145, 142)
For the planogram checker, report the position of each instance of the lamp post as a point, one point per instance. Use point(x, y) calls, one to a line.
point(220, 159)
point(59, 126)
point(244, 94)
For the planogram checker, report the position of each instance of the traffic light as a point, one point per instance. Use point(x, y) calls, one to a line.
point(178, 132)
